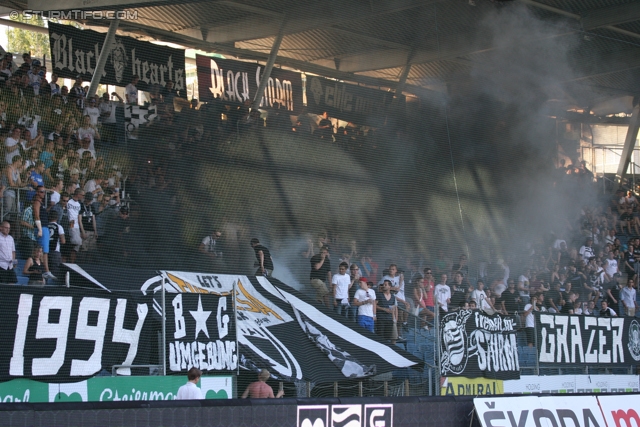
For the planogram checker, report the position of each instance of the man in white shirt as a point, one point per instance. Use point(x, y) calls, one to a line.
point(8, 258)
point(442, 293)
point(76, 232)
point(480, 297)
point(12, 145)
point(131, 91)
point(611, 268)
point(628, 298)
point(190, 391)
point(365, 300)
point(340, 285)
point(92, 111)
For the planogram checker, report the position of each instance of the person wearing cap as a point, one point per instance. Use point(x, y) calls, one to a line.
point(260, 389)
point(35, 79)
point(365, 300)
point(131, 91)
point(191, 391)
point(77, 93)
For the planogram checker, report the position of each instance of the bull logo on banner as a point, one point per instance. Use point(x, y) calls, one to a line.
point(454, 336)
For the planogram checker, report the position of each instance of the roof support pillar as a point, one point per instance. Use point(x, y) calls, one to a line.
point(629, 144)
point(102, 60)
point(267, 68)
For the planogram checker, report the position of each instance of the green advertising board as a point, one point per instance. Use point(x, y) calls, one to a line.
point(105, 389)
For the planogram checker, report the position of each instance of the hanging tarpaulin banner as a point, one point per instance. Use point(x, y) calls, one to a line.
point(348, 102)
point(277, 328)
point(587, 340)
point(237, 82)
point(71, 334)
point(201, 333)
point(474, 344)
point(75, 52)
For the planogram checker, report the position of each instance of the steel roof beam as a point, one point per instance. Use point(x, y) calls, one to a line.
point(603, 17)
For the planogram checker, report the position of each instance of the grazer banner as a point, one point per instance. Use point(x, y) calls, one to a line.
point(348, 102)
point(473, 344)
point(68, 335)
point(236, 81)
point(587, 340)
point(75, 52)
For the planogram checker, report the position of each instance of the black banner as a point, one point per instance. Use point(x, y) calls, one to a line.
point(347, 102)
point(72, 334)
point(76, 52)
point(473, 344)
point(236, 82)
point(201, 333)
point(587, 340)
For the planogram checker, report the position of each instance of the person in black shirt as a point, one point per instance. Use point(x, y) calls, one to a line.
point(263, 259)
point(510, 299)
point(612, 294)
point(553, 298)
point(321, 275)
point(607, 311)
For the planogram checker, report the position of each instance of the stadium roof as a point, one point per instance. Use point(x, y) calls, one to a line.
point(371, 41)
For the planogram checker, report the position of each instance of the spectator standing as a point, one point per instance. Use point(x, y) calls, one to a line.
point(8, 259)
point(191, 391)
point(628, 298)
point(56, 242)
point(260, 389)
point(365, 300)
point(92, 111)
point(340, 285)
point(41, 220)
point(387, 313)
point(131, 91)
point(530, 320)
point(77, 93)
point(443, 294)
point(321, 275)
point(88, 221)
point(263, 259)
point(510, 299)
point(76, 230)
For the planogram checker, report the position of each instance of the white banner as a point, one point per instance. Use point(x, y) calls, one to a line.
point(572, 384)
point(621, 411)
point(531, 411)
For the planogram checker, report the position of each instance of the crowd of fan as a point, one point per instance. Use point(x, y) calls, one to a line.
point(53, 139)
point(590, 267)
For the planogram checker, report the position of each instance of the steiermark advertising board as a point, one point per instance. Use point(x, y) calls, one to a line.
point(106, 389)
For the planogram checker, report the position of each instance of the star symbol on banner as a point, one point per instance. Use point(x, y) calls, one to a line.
point(201, 317)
